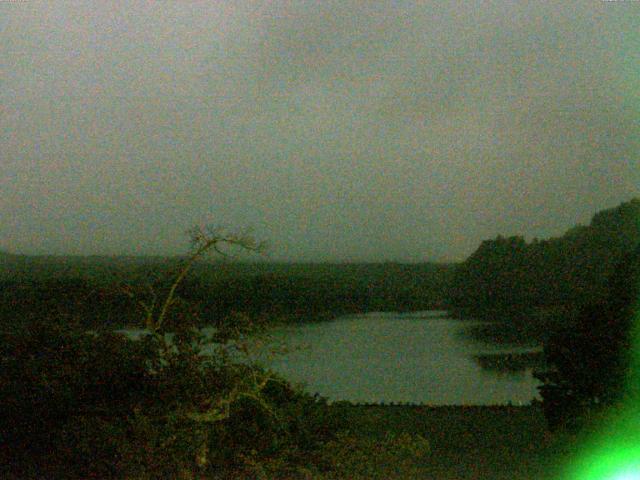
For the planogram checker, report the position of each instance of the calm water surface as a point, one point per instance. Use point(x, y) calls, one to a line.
point(421, 357)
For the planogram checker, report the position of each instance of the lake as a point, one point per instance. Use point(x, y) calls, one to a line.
point(418, 357)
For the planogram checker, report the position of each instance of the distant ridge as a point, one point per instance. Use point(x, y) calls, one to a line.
point(50, 256)
point(213, 260)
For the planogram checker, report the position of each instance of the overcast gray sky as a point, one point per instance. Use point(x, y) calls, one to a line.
point(338, 130)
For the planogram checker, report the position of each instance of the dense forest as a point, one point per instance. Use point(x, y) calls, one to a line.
point(593, 356)
point(97, 291)
point(578, 295)
point(544, 283)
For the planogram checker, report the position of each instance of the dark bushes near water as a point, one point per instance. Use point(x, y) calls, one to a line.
point(592, 357)
point(82, 405)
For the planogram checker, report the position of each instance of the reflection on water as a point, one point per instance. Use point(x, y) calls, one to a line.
point(511, 362)
point(419, 357)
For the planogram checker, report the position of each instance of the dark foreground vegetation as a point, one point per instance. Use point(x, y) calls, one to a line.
point(80, 401)
point(81, 406)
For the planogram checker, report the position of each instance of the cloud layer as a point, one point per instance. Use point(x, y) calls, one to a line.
point(338, 130)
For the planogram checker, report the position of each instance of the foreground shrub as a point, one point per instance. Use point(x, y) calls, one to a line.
point(394, 456)
point(80, 404)
point(105, 406)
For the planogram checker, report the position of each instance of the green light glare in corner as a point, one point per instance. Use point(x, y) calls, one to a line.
point(613, 453)
point(615, 464)
point(614, 468)
point(632, 474)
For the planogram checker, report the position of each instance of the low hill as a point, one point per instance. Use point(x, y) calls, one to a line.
point(510, 274)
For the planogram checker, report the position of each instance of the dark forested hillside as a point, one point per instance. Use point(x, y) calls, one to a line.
point(592, 358)
point(512, 275)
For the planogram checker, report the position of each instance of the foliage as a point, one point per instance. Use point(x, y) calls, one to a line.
point(592, 356)
point(213, 292)
point(575, 293)
point(80, 403)
point(394, 456)
point(509, 275)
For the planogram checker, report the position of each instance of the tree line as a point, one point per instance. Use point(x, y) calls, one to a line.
point(590, 278)
point(509, 274)
point(95, 293)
